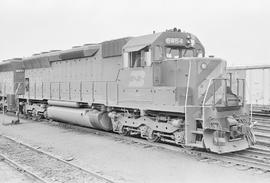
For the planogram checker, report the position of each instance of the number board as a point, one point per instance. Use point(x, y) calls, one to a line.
point(174, 41)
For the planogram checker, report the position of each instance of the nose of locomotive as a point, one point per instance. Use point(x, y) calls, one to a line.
point(236, 135)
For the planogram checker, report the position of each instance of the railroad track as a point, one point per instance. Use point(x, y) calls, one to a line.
point(22, 170)
point(262, 128)
point(261, 113)
point(255, 158)
point(43, 166)
point(245, 160)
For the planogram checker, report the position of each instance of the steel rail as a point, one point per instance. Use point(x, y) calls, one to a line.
point(262, 129)
point(257, 153)
point(261, 113)
point(230, 158)
point(22, 169)
point(57, 158)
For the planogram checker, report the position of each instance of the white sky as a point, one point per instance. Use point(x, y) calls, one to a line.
point(236, 30)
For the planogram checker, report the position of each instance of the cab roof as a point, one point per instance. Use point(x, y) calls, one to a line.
point(140, 42)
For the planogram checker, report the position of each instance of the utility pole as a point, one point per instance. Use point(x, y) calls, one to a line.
point(17, 104)
point(3, 101)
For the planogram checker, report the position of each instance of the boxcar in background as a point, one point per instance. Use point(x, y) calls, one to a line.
point(257, 83)
point(11, 75)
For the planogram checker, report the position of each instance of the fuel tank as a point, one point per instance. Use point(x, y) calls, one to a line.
point(84, 117)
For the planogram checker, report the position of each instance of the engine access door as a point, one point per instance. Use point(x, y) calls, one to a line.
point(19, 76)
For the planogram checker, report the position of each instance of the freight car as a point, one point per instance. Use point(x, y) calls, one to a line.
point(11, 82)
point(258, 83)
point(157, 86)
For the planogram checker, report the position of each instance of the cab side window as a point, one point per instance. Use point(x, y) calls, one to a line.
point(26, 84)
point(136, 59)
point(140, 58)
point(158, 53)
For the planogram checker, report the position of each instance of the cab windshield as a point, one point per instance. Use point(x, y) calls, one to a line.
point(177, 52)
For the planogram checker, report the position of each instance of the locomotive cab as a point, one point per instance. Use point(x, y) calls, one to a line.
point(158, 47)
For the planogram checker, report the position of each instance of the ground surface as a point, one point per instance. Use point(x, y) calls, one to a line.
point(124, 162)
point(10, 175)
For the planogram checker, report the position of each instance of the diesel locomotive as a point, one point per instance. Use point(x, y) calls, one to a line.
point(158, 86)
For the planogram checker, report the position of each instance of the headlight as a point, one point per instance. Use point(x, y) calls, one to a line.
point(203, 66)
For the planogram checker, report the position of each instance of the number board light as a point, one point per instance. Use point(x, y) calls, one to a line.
point(174, 41)
point(19, 70)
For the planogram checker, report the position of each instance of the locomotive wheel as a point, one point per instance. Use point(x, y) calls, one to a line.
point(152, 137)
point(38, 117)
point(5, 109)
point(124, 132)
point(27, 116)
point(45, 115)
point(179, 137)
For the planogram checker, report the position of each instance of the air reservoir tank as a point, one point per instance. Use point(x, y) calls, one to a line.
point(80, 116)
point(64, 103)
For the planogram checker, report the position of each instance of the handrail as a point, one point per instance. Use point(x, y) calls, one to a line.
point(186, 99)
point(206, 92)
point(188, 82)
point(204, 99)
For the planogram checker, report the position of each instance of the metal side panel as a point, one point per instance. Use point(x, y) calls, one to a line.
point(164, 95)
point(112, 93)
point(75, 91)
point(46, 90)
point(87, 91)
point(135, 95)
point(32, 90)
point(55, 91)
point(65, 90)
point(100, 92)
point(39, 94)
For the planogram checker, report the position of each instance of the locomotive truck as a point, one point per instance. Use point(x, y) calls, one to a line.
point(158, 86)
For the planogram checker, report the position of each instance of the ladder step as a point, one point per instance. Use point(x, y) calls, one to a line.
point(196, 144)
point(200, 132)
point(199, 119)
